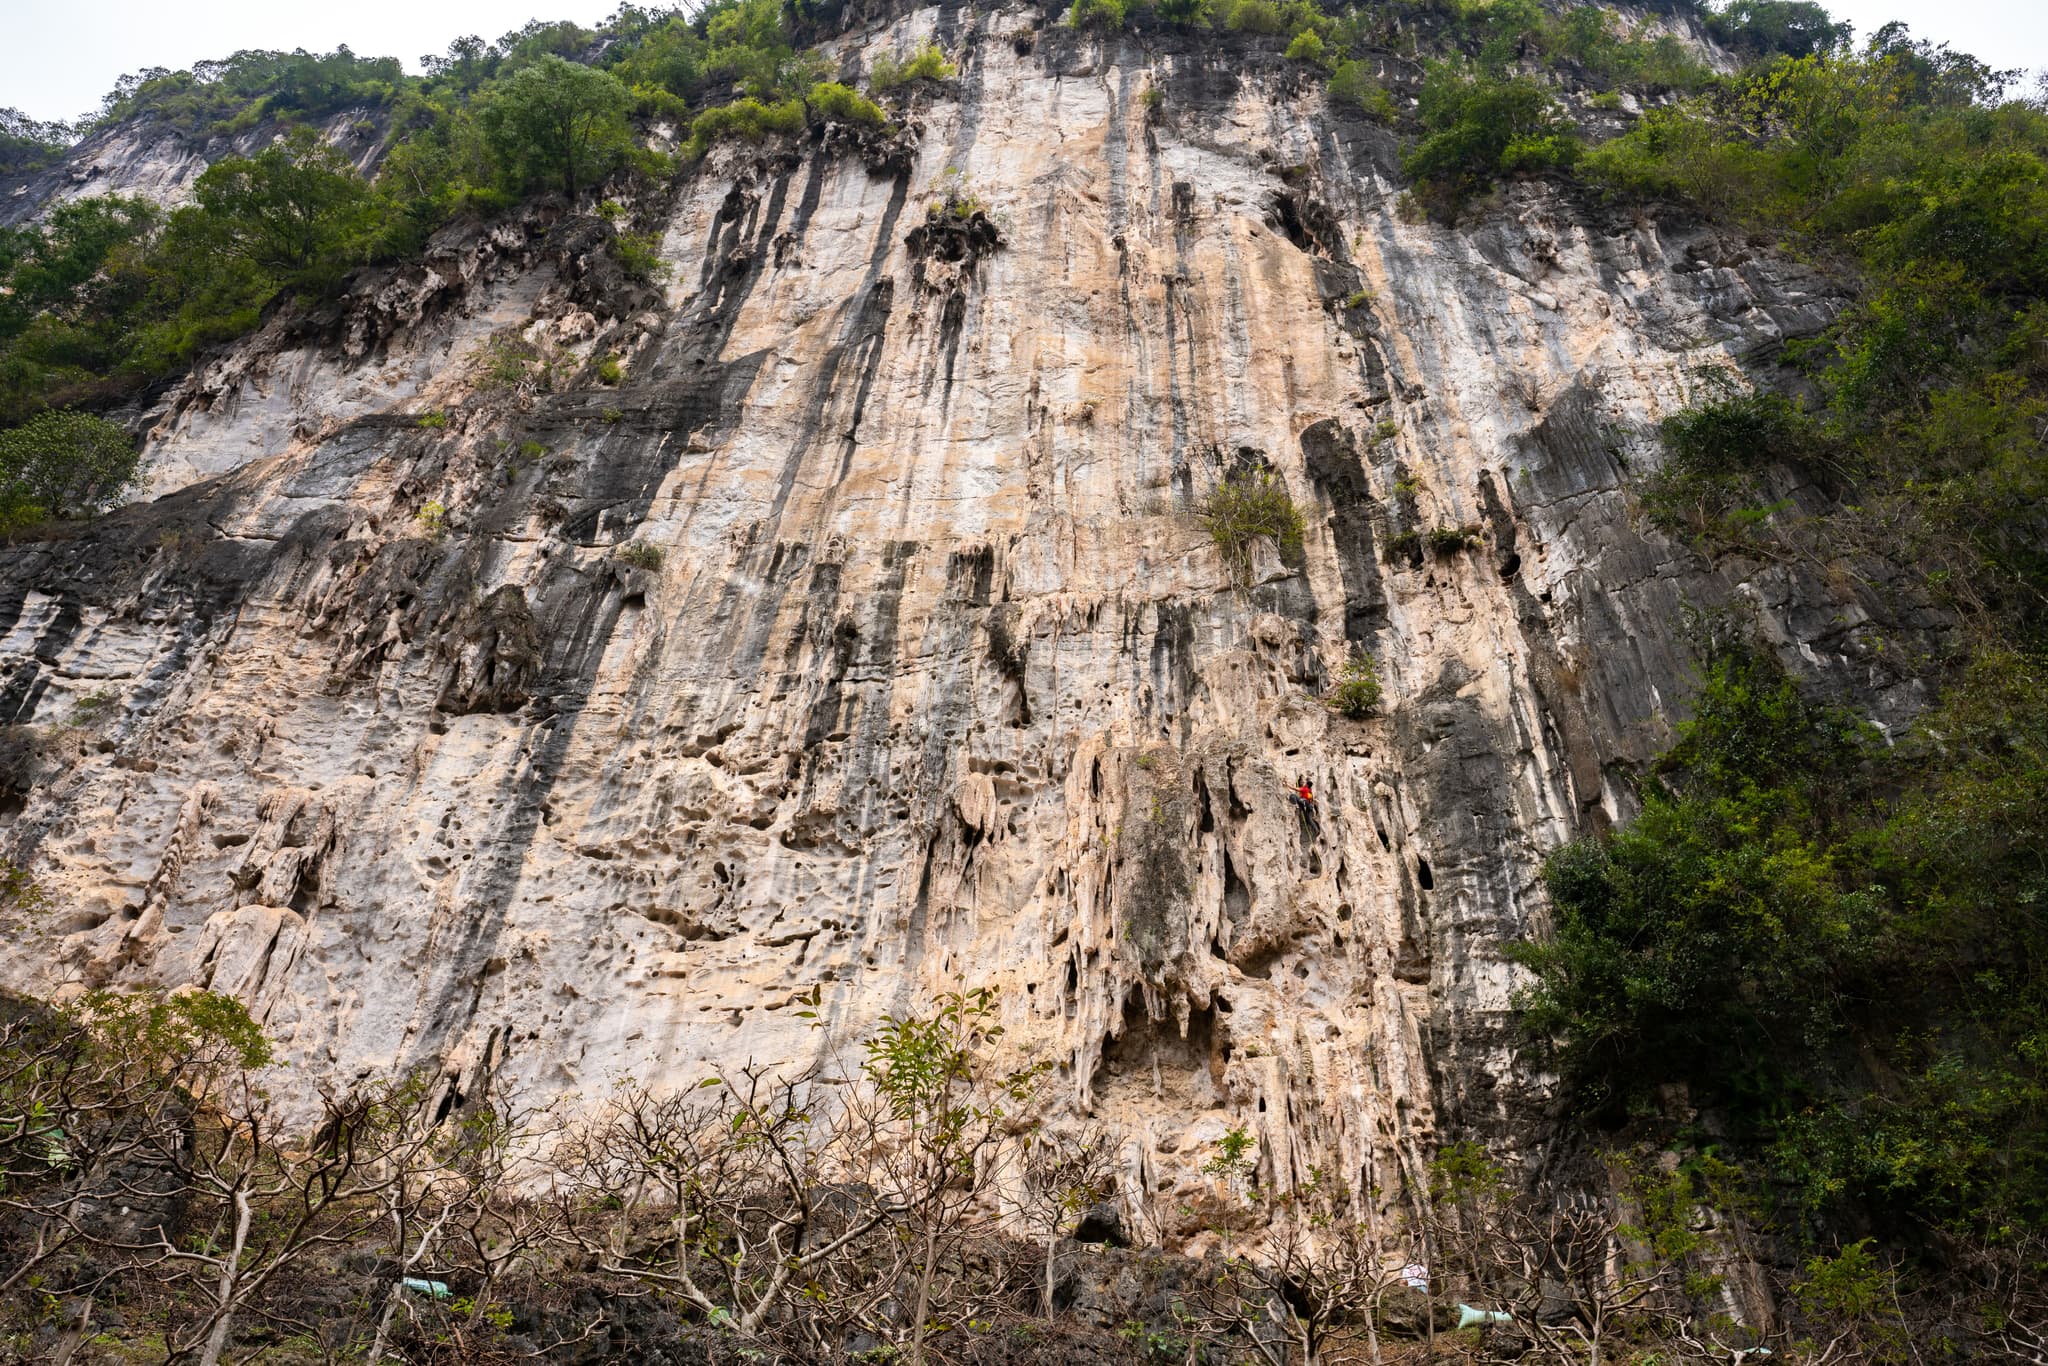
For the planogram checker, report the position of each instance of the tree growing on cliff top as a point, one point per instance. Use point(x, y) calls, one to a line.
point(559, 122)
point(297, 211)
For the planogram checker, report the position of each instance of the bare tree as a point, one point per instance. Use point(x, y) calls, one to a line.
point(96, 1100)
point(740, 1186)
point(1064, 1176)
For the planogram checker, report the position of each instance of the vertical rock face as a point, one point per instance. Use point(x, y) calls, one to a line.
point(937, 681)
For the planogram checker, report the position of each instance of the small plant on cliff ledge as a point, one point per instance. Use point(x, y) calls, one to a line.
point(1451, 540)
point(432, 518)
point(638, 555)
point(928, 63)
point(639, 255)
point(610, 372)
point(432, 421)
point(1246, 506)
point(1236, 1159)
point(1358, 688)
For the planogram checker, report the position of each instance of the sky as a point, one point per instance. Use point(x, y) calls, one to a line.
point(58, 57)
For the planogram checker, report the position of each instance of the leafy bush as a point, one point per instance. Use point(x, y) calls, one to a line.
point(558, 123)
point(502, 364)
point(1479, 127)
point(1306, 47)
point(1254, 16)
point(835, 103)
point(1764, 28)
point(928, 63)
point(297, 212)
point(1357, 690)
point(610, 372)
point(1352, 83)
point(63, 464)
point(1246, 506)
point(1713, 451)
point(1452, 540)
point(639, 255)
point(1103, 16)
point(746, 119)
point(639, 555)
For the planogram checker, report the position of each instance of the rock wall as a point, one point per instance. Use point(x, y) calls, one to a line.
point(156, 160)
point(938, 682)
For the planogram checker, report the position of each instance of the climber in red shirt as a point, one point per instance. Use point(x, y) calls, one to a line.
point(1304, 799)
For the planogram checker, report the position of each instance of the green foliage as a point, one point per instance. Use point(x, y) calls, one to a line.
point(164, 1037)
point(1236, 1156)
point(241, 90)
point(1185, 13)
point(746, 119)
point(639, 555)
point(296, 212)
point(1245, 506)
point(928, 63)
point(1479, 127)
point(1837, 947)
point(558, 123)
point(831, 102)
point(610, 372)
point(1928, 390)
point(1352, 83)
point(1769, 28)
point(503, 364)
point(1713, 453)
point(63, 464)
point(1102, 16)
point(1306, 47)
point(1357, 690)
point(639, 255)
point(1452, 540)
point(27, 144)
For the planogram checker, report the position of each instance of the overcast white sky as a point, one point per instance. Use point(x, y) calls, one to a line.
point(58, 57)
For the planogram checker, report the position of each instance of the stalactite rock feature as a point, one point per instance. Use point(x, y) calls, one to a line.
point(927, 675)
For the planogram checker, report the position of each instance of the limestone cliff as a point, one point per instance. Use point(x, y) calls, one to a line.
point(937, 681)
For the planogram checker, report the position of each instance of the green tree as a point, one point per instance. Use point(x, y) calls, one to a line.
point(558, 122)
point(297, 211)
point(63, 464)
point(27, 144)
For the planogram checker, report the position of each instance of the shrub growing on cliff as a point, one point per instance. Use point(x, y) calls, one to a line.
point(1244, 507)
point(63, 464)
point(831, 102)
point(1479, 127)
point(1352, 84)
point(1713, 453)
point(928, 63)
point(1357, 690)
point(1102, 16)
point(747, 119)
point(27, 144)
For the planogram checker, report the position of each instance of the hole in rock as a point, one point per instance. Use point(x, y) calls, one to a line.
point(1510, 566)
point(1423, 875)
